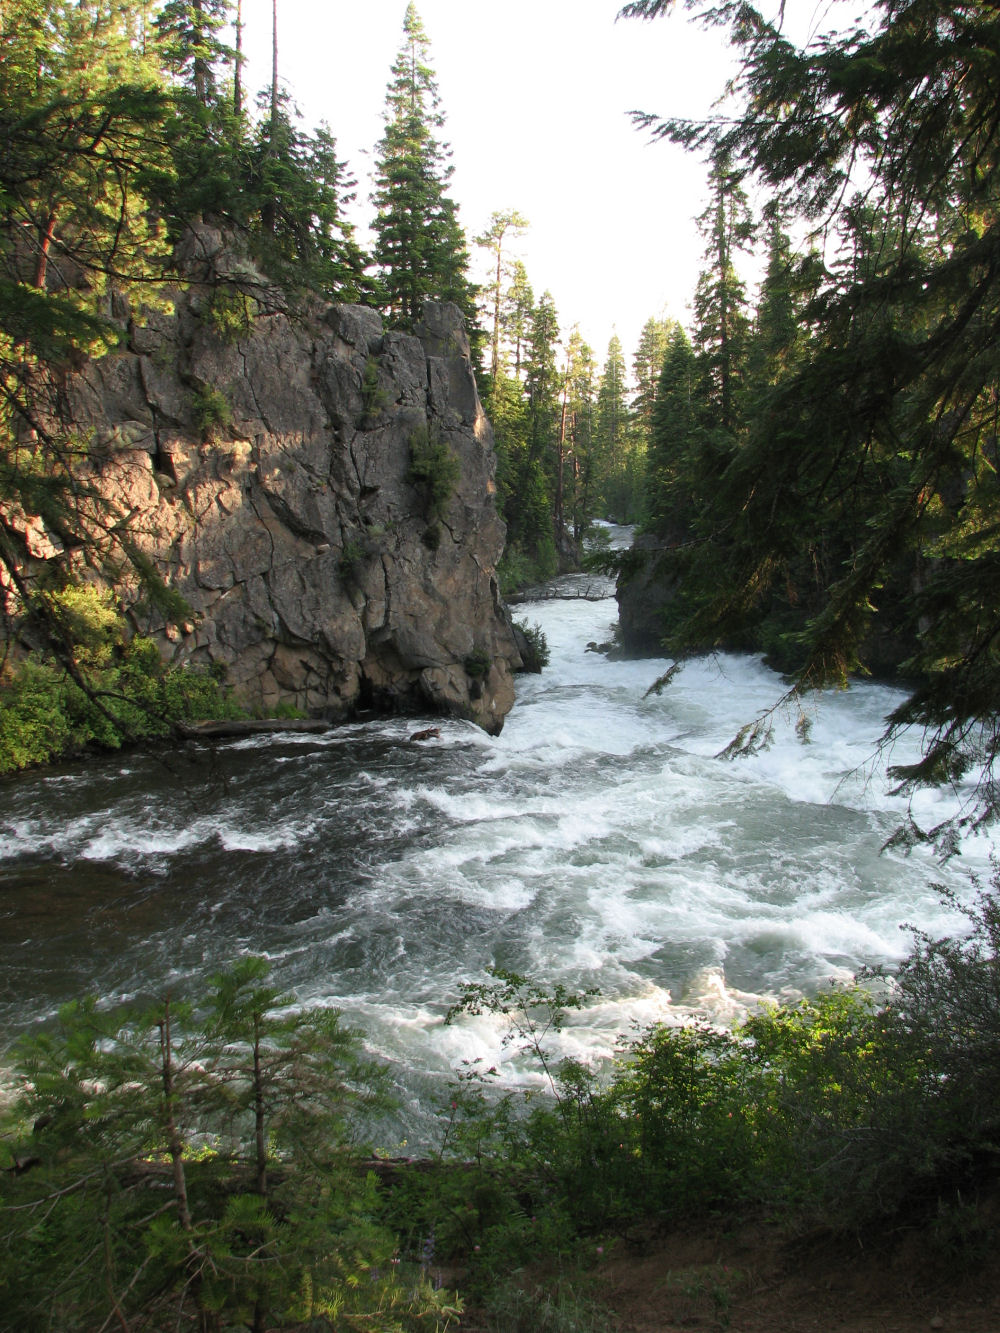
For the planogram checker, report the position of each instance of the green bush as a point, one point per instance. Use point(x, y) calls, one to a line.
point(188, 1165)
point(535, 655)
point(213, 413)
point(128, 695)
point(374, 397)
point(434, 468)
point(517, 1306)
point(230, 313)
point(840, 1110)
point(519, 569)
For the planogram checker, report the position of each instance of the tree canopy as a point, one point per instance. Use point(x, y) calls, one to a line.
point(419, 244)
point(874, 455)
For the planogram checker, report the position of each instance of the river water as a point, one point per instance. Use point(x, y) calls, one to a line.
point(598, 841)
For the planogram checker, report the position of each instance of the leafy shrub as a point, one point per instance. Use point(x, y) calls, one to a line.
point(838, 1110)
point(351, 557)
point(515, 1306)
point(477, 664)
point(184, 1165)
point(128, 694)
point(374, 397)
point(518, 569)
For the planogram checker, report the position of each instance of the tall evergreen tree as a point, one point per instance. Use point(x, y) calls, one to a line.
point(646, 366)
point(516, 315)
point(722, 323)
point(579, 435)
point(615, 443)
point(419, 247)
point(777, 326)
point(504, 225)
point(672, 474)
point(191, 43)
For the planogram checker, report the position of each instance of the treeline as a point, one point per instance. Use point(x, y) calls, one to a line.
point(202, 1164)
point(571, 438)
point(823, 480)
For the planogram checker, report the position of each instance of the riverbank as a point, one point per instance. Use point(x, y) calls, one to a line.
point(746, 1276)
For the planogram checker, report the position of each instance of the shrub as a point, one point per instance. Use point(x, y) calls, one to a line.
point(374, 397)
point(533, 645)
point(213, 413)
point(188, 1168)
point(434, 468)
point(128, 694)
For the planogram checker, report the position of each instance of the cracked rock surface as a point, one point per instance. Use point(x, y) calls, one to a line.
point(267, 477)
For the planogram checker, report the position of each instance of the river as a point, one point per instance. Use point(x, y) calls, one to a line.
point(598, 841)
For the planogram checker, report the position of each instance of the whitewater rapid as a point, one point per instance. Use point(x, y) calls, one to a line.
point(599, 841)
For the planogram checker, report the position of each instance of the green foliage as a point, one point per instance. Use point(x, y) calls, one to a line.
point(180, 1161)
point(477, 664)
point(119, 694)
point(230, 313)
point(374, 397)
point(563, 1306)
point(187, 1163)
point(839, 1111)
point(419, 243)
point(213, 413)
point(516, 570)
point(434, 468)
point(850, 499)
point(535, 649)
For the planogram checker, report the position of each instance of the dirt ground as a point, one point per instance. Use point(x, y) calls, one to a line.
point(755, 1281)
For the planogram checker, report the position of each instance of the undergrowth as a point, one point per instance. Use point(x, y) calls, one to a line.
point(847, 1111)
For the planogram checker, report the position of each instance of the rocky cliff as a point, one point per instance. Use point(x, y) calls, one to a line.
point(318, 490)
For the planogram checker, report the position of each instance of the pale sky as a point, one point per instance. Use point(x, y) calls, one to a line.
point(536, 95)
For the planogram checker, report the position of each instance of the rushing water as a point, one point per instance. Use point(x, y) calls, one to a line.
point(598, 841)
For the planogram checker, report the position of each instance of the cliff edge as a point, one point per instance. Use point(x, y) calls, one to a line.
point(318, 490)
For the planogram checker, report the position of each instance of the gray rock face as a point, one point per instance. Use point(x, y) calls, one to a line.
point(267, 476)
point(643, 591)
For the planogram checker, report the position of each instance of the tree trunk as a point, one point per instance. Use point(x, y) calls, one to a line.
point(260, 1138)
point(42, 261)
point(238, 68)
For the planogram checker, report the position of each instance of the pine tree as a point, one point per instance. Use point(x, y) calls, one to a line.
point(419, 247)
point(620, 476)
point(192, 46)
point(296, 206)
point(516, 316)
point(579, 434)
point(722, 326)
point(542, 379)
point(672, 466)
point(190, 1163)
point(503, 226)
point(646, 366)
point(84, 120)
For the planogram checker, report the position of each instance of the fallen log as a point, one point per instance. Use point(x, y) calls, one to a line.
point(236, 728)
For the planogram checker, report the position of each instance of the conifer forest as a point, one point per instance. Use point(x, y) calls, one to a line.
point(809, 459)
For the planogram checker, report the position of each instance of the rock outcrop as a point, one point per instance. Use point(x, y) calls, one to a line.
point(643, 590)
point(266, 465)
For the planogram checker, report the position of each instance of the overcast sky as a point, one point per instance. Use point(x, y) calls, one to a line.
point(536, 94)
